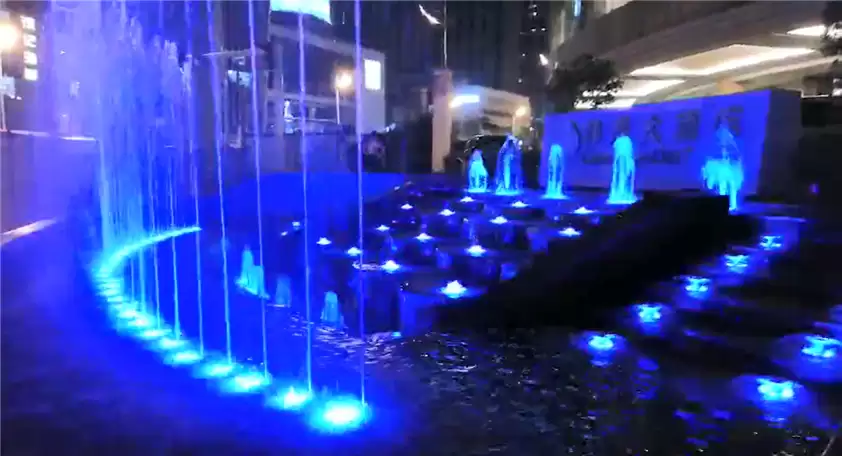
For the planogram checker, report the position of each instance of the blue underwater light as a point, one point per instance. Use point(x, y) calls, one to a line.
point(775, 390)
point(423, 237)
point(499, 220)
point(476, 250)
point(649, 313)
point(736, 263)
point(821, 347)
point(519, 204)
point(382, 228)
point(353, 251)
point(453, 289)
point(582, 210)
point(570, 232)
point(771, 242)
point(696, 286)
point(602, 342)
point(466, 199)
point(446, 212)
point(339, 415)
point(323, 241)
point(390, 266)
point(406, 207)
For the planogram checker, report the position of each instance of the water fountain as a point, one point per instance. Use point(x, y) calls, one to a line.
point(555, 173)
point(477, 174)
point(508, 178)
point(283, 292)
point(723, 171)
point(623, 172)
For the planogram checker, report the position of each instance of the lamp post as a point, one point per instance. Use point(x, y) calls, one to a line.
point(9, 35)
point(520, 112)
point(435, 23)
point(343, 81)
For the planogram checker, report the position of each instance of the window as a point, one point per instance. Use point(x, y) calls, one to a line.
point(373, 70)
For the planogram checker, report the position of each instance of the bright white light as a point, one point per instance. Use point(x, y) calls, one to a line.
point(519, 204)
point(9, 35)
point(648, 88)
point(521, 111)
point(423, 237)
point(27, 23)
point(29, 41)
point(390, 266)
point(813, 31)
point(475, 250)
point(353, 251)
point(382, 228)
point(446, 212)
point(461, 100)
point(343, 81)
point(620, 103)
point(323, 241)
point(499, 220)
point(543, 59)
point(30, 74)
point(466, 199)
point(430, 18)
point(320, 9)
point(29, 58)
point(766, 54)
point(373, 70)
point(406, 207)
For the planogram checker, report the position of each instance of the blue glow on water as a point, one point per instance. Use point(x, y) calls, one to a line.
point(519, 205)
point(499, 220)
point(340, 415)
point(649, 313)
point(821, 347)
point(696, 285)
point(446, 212)
point(390, 266)
point(570, 232)
point(324, 241)
point(353, 251)
point(423, 237)
point(290, 399)
point(771, 242)
point(736, 263)
point(582, 210)
point(406, 207)
point(382, 228)
point(477, 174)
point(246, 382)
point(476, 250)
point(602, 342)
point(623, 172)
point(775, 390)
point(466, 199)
point(296, 225)
point(453, 289)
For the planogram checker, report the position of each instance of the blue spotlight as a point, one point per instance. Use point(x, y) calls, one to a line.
point(406, 207)
point(382, 228)
point(649, 313)
point(353, 251)
point(390, 266)
point(583, 211)
point(775, 390)
point(423, 237)
point(453, 289)
point(290, 399)
point(771, 242)
point(446, 212)
point(821, 347)
point(324, 241)
point(570, 232)
point(476, 250)
point(499, 220)
point(519, 205)
point(340, 415)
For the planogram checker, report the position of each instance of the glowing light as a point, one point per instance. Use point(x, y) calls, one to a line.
point(466, 199)
point(30, 74)
point(168, 343)
point(246, 382)
point(446, 212)
point(623, 172)
point(423, 237)
point(519, 204)
point(521, 111)
point(390, 266)
point(454, 289)
point(216, 369)
point(184, 357)
point(760, 54)
point(430, 18)
point(821, 347)
point(323, 241)
point(344, 80)
point(570, 232)
point(382, 228)
point(372, 72)
point(772, 242)
point(462, 100)
point(583, 211)
point(736, 263)
point(296, 225)
point(9, 35)
point(476, 250)
point(406, 207)
point(340, 415)
point(543, 60)
point(291, 399)
point(499, 220)
point(696, 285)
point(648, 313)
point(813, 31)
point(353, 251)
point(602, 342)
point(772, 390)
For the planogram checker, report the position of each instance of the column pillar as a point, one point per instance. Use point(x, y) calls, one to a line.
point(442, 117)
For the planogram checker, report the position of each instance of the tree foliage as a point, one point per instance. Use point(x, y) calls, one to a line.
point(586, 79)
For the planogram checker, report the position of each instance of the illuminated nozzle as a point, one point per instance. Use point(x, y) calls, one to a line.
point(423, 237)
point(323, 241)
point(648, 313)
point(382, 228)
point(353, 251)
point(519, 204)
point(696, 285)
point(570, 232)
point(446, 212)
point(454, 289)
point(499, 220)
point(603, 342)
point(406, 207)
point(390, 266)
point(821, 347)
point(291, 399)
point(770, 242)
point(583, 211)
point(775, 390)
point(475, 250)
point(466, 199)
point(736, 263)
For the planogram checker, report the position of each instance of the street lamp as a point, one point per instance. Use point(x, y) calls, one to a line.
point(544, 60)
point(519, 112)
point(435, 22)
point(344, 81)
point(9, 35)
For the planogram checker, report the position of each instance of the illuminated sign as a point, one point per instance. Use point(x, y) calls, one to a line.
point(373, 73)
point(30, 40)
point(320, 9)
point(672, 140)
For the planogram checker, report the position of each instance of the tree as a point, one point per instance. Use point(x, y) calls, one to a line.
point(586, 79)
